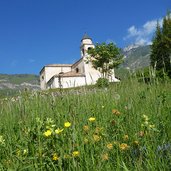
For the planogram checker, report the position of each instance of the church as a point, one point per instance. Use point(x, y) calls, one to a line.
point(72, 75)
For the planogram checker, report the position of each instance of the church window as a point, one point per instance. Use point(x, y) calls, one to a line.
point(77, 70)
point(89, 48)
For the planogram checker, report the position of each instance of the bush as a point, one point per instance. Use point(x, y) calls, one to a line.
point(102, 82)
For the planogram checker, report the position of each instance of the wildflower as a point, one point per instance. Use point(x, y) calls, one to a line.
point(105, 156)
point(55, 157)
point(109, 146)
point(92, 119)
point(125, 137)
point(75, 153)
point(58, 131)
point(86, 128)
point(102, 107)
point(67, 124)
point(116, 112)
point(123, 146)
point(47, 133)
point(96, 138)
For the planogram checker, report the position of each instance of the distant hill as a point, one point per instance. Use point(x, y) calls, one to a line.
point(12, 84)
point(136, 57)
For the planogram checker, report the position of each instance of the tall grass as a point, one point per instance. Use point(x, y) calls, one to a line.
point(123, 127)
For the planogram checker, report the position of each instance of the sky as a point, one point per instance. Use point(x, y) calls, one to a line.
point(34, 33)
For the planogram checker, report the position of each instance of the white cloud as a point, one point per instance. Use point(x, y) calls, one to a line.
point(143, 34)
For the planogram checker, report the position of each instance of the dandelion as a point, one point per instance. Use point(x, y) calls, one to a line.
point(123, 146)
point(96, 138)
point(75, 153)
point(105, 156)
point(55, 157)
point(58, 131)
point(67, 124)
point(125, 137)
point(86, 128)
point(92, 119)
point(47, 133)
point(109, 146)
point(116, 112)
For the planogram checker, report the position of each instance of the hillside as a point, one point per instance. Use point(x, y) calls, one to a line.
point(12, 84)
point(136, 57)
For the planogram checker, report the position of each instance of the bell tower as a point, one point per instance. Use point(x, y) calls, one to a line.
point(86, 43)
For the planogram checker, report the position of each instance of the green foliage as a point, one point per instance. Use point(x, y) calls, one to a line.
point(161, 47)
point(105, 57)
point(102, 82)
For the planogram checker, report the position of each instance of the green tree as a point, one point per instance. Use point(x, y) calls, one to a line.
point(105, 57)
point(161, 47)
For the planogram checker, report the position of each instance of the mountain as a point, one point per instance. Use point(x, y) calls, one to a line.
point(12, 84)
point(136, 57)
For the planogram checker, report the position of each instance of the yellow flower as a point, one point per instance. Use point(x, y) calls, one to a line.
point(125, 137)
point(123, 146)
point(67, 124)
point(105, 157)
point(86, 128)
point(145, 117)
point(109, 146)
point(75, 153)
point(102, 107)
point(55, 157)
point(96, 138)
point(116, 112)
point(92, 119)
point(47, 133)
point(58, 131)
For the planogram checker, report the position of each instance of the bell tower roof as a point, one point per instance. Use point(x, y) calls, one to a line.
point(85, 37)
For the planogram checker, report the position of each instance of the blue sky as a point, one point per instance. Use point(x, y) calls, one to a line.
point(34, 33)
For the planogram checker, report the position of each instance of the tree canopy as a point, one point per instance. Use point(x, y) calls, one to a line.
point(161, 47)
point(105, 57)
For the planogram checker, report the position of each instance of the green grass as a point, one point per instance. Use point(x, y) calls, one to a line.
point(131, 131)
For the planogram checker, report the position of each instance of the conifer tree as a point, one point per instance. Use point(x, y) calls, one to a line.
point(161, 47)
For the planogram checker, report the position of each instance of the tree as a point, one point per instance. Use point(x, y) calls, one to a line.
point(161, 47)
point(105, 57)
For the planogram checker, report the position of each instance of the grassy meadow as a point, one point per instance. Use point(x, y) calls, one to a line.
point(124, 127)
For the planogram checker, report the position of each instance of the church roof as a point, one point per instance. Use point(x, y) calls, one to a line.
point(85, 37)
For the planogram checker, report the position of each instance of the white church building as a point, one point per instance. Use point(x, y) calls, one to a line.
point(72, 75)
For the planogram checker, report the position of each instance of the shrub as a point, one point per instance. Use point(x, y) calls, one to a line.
point(102, 82)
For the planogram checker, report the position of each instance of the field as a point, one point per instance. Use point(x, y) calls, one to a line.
point(124, 127)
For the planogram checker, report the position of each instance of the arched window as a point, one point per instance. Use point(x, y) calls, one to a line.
point(77, 70)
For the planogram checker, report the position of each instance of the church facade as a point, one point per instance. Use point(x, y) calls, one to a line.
point(72, 75)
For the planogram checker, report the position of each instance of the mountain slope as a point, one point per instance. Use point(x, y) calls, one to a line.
point(12, 84)
point(136, 57)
